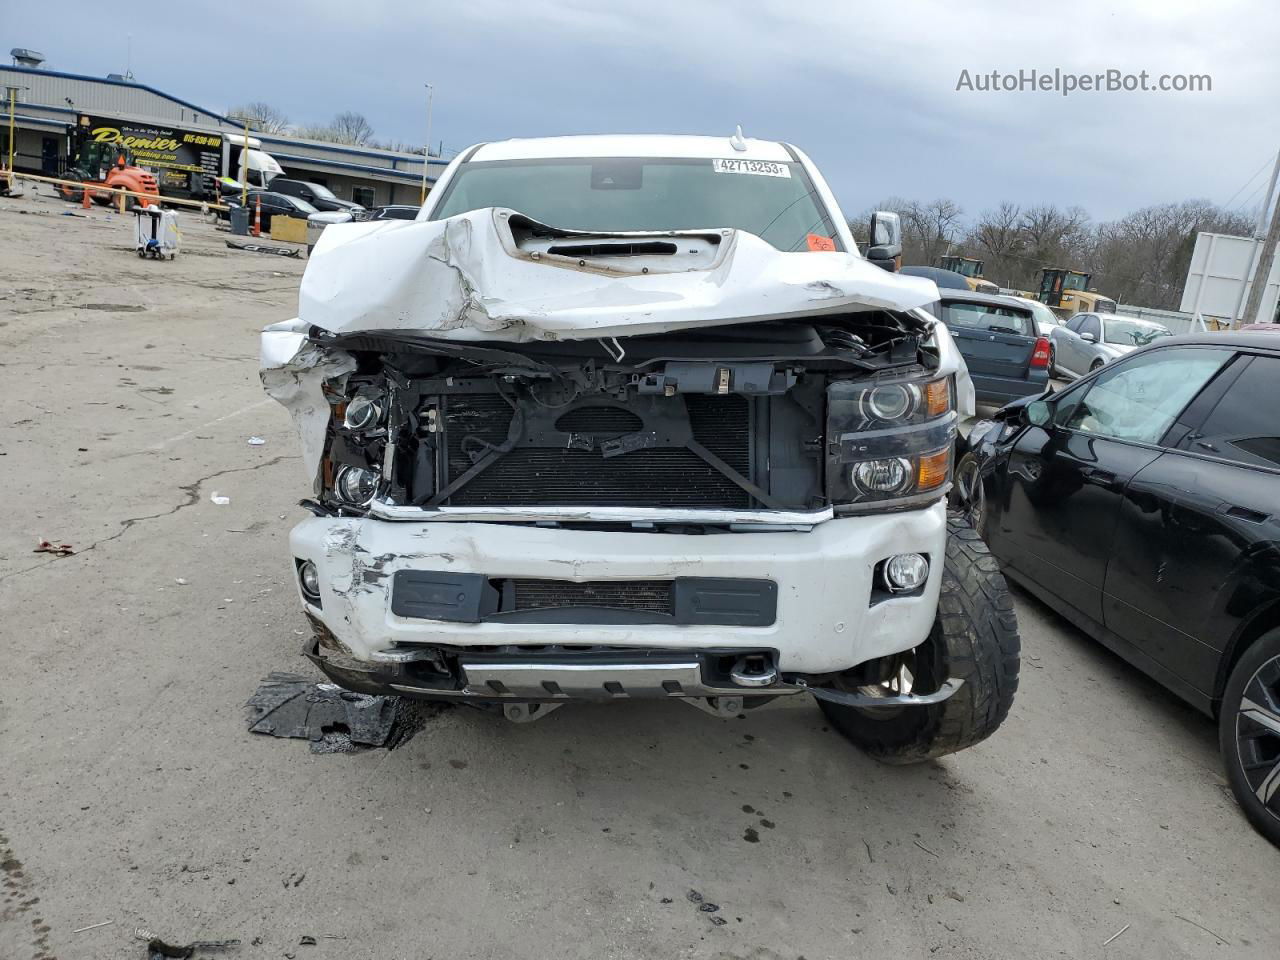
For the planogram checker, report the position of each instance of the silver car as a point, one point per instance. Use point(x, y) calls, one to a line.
point(1046, 319)
point(1089, 340)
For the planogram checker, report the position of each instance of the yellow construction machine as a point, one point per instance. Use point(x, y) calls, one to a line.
point(1066, 293)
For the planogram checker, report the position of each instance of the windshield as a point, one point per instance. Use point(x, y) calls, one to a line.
point(775, 201)
point(323, 192)
point(305, 207)
point(1133, 332)
point(1074, 281)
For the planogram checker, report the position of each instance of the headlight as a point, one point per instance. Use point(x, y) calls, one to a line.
point(363, 413)
point(888, 443)
point(355, 485)
point(893, 402)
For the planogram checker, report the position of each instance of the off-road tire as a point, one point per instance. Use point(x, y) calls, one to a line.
point(1257, 676)
point(974, 639)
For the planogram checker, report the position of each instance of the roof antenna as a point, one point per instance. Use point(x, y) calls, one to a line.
point(737, 141)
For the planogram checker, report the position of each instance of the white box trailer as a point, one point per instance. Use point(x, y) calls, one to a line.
point(1220, 265)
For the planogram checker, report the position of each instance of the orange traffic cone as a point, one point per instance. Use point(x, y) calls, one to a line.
point(257, 218)
point(85, 198)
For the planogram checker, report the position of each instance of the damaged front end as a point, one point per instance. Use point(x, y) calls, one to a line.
point(644, 453)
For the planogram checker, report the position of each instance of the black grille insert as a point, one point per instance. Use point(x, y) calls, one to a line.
point(653, 596)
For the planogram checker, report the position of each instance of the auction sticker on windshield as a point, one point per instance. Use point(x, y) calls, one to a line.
point(759, 168)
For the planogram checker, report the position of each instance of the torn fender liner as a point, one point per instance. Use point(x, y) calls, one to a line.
point(333, 719)
point(491, 275)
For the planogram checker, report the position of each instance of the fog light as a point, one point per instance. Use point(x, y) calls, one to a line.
point(906, 572)
point(882, 476)
point(356, 485)
point(309, 577)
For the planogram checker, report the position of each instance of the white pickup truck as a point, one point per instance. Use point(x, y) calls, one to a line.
point(631, 416)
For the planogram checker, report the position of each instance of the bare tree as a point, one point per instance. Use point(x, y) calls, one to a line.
point(936, 226)
point(928, 229)
point(998, 241)
point(351, 127)
point(264, 116)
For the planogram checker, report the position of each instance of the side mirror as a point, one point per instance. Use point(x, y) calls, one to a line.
point(1088, 338)
point(885, 246)
point(1037, 413)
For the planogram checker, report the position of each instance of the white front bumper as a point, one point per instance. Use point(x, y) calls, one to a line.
point(825, 618)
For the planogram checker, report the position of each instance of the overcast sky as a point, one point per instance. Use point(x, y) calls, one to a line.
point(869, 91)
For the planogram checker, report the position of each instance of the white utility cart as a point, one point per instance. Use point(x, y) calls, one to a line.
point(157, 232)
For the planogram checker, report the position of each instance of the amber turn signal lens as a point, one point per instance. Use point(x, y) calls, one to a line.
point(933, 469)
point(937, 397)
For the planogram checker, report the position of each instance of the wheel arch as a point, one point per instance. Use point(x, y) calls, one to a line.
point(1262, 621)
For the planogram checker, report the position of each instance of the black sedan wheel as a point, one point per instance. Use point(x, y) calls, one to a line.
point(1249, 733)
point(967, 496)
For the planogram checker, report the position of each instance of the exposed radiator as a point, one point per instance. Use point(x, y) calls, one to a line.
point(542, 476)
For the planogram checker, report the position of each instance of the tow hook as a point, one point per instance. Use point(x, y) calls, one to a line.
point(850, 699)
point(753, 671)
point(528, 712)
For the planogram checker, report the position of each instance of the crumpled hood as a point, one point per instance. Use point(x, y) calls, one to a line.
point(494, 274)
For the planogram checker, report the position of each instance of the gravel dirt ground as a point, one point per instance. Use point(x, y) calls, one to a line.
point(131, 792)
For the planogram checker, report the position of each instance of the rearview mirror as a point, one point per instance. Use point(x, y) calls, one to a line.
point(885, 246)
point(1038, 413)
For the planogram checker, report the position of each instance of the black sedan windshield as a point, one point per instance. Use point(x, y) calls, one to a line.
point(775, 201)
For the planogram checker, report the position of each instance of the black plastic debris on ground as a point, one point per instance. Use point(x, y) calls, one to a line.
point(333, 719)
point(157, 949)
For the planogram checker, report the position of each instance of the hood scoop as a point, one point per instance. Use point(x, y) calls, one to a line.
point(643, 248)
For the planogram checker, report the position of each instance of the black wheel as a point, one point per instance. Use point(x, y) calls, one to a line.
point(974, 639)
point(1054, 372)
point(1097, 365)
point(1249, 733)
point(967, 496)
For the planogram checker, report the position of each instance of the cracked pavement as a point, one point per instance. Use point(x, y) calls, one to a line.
point(131, 792)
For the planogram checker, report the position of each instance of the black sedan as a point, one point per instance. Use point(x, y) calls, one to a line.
point(1143, 504)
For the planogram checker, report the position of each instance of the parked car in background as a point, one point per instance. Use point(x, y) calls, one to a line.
point(943, 279)
point(1143, 504)
point(1089, 340)
point(394, 211)
point(998, 337)
point(281, 205)
point(1046, 319)
point(316, 194)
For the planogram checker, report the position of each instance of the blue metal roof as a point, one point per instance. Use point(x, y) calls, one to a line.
point(405, 175)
